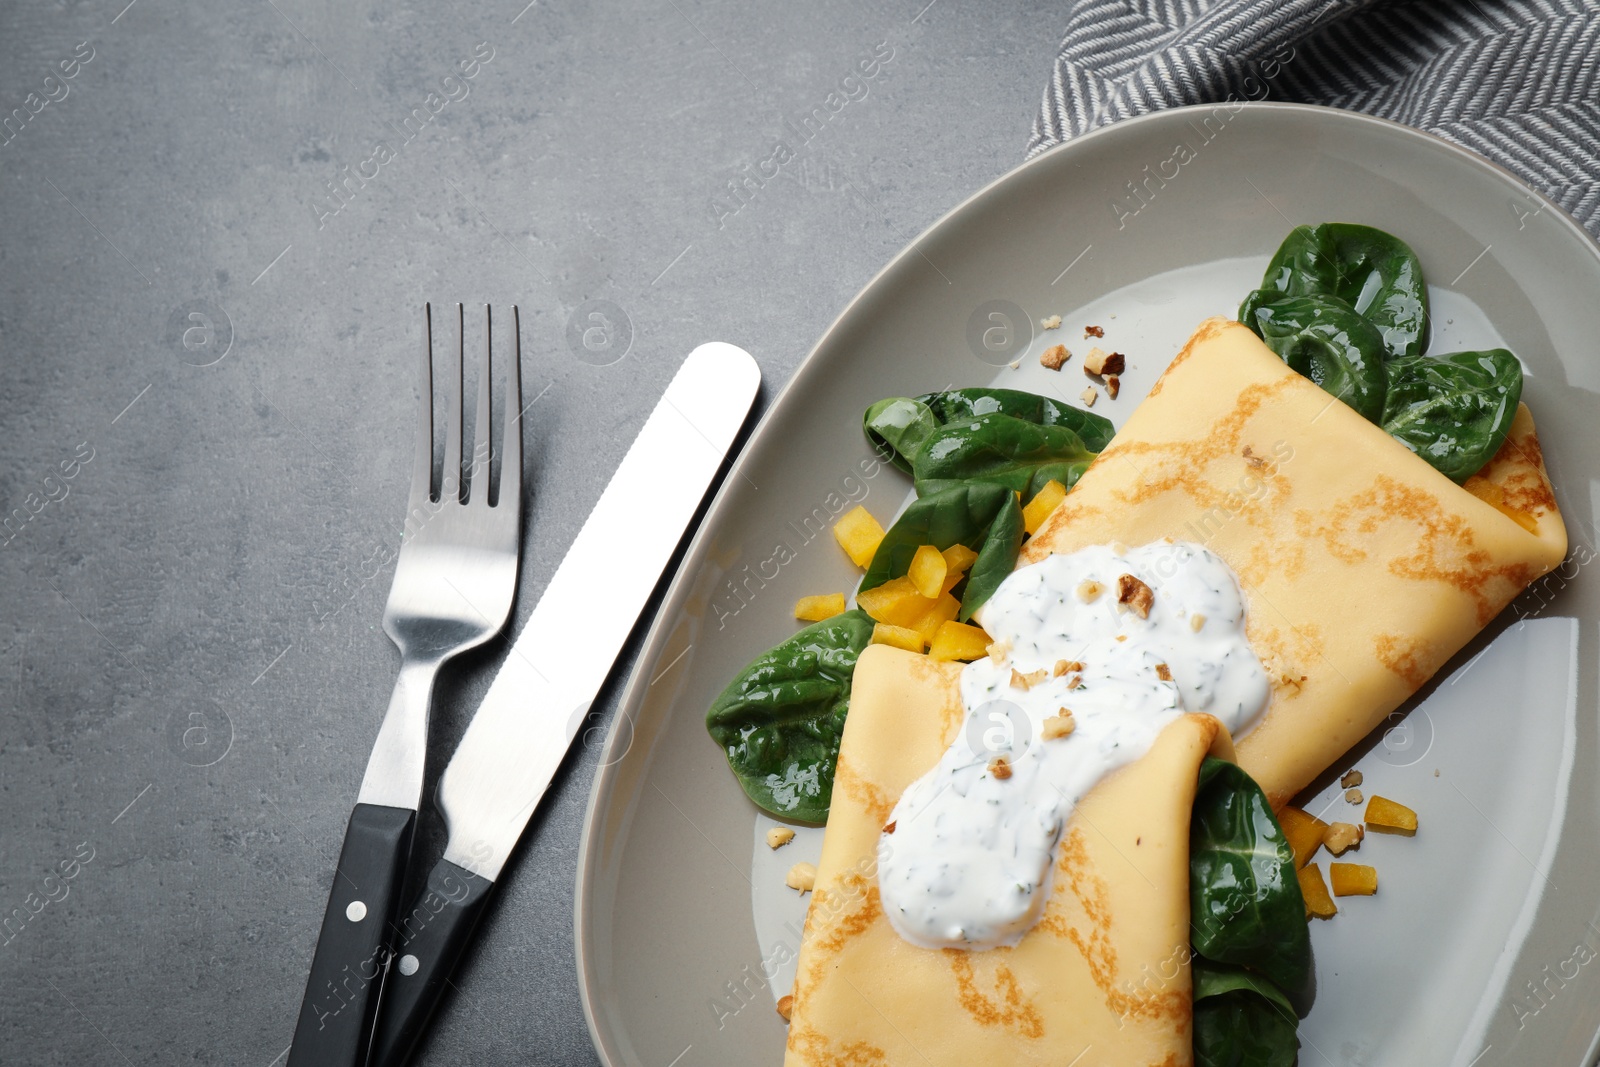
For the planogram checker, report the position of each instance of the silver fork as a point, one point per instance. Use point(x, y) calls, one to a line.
point(452, 590)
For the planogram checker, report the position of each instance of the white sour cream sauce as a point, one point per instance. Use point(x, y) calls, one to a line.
point(968, 863)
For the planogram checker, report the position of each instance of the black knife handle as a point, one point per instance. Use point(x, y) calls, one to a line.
point(335, 1028)
point(433, 935)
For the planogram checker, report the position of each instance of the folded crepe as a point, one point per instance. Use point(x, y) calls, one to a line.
point(1363, 570)
point(1106, 968)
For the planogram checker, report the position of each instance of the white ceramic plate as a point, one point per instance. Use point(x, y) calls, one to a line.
point(1483, 946)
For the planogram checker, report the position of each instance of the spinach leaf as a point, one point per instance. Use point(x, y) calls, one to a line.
point(1324, 339)
point(1240, 1019)
point(981, 515)
point(954, 405)
point(780, 720)
point(1455, 410)
point(1244, 899)
point(897, 427)
point(1374, 272)
point(1003, 449)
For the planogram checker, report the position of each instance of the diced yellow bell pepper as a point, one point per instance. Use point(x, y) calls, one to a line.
point(1304, 832)
point(1315, 891)
point(927, 571)
point(959, 558)
point(1387, 817)
point(1042, 504)
point(936, 614)
point(896, 602)
point(951, 580)
point(959, 641)
point(859, 533)
point(1353, 879)
point(817, 608)
point(898, 636)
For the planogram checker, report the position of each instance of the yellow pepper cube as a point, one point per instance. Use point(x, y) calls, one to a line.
point(1387, 817)
point(859, 533)
point(936, 614)
point(817, 608)
point(1318, 903)
point(1353, 879)
point(895, 602)
point(958, 559)
point(1042, 504)
point(959, 641)
point(898, 636)
point(1304, 832)
point(928, 571)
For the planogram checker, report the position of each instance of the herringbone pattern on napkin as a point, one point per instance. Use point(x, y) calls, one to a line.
point(1517, 81)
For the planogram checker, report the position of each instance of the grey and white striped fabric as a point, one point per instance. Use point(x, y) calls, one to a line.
point(1517, 81)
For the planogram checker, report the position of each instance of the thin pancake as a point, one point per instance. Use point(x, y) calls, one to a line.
point(1364, 569)
point(1106, 969)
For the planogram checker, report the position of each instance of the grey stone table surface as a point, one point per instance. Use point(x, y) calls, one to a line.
point(218, 225)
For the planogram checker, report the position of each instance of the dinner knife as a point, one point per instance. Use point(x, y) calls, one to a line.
point(541, 695)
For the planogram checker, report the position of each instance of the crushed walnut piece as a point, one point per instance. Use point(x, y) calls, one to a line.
point(1057, 726)
point(1351, 778)
point(1196, 621)
point(1353, 796)
point(998, 652)
point(779, 836)
point(1075, 682)
point(892, 824)
point(1051, 322)
point(1340, 837)
point(1094, 331)
point(786, 1006)
point(1099, 362)
point(1113, 386)
point(1053, 357)
point(1122, 637)
point(1134, 593)
point(1065, 666)
point(1029, 680)
point(1163, 672)
point(1089, 591)
point(1088, 396)
point(1255, 461)
point(1000, 767)
point(801, 877)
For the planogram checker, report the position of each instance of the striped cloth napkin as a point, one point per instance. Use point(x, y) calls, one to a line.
point(1517, 81)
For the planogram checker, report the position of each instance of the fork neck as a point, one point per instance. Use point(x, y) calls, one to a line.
point(395, 769)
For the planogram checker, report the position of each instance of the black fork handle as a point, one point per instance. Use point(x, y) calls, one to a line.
point(353, 950)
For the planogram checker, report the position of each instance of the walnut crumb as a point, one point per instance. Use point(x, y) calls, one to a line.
point(779, 836)
point(1163, 672)
point(1016, 363)
point(1122, 637)
point(1353, 796)
point(1351, 778)
point(1088, 397)
point(1099, 362)
point(1089, 591)
point(1052, 322)
point(1094, 331)
point(1065, 666)
point(1054, 356)
point(1340, 837)
point(1000, 768)
point(1058, 726)
point(1113, 386)
point(1075, 682)
point(1255, 461)
point(786, 1006)
point(1029, 680)
point(998, 652)
point(1196, 621)
point(802, 877)
point(890, 828)
point(1134, 593)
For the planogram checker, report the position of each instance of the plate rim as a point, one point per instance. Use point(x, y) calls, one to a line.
point(678, 590)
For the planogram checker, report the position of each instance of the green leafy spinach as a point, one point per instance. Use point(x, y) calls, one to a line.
point(779, 722)
point(1325, 339)
point(1240, 1019)
point(981, 515)
point(1003, 450)
point(1455, 410)
point(898, 426)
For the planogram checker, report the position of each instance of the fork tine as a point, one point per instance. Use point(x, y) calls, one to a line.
point(422, 452)
point(450, 480)
point(511, 423)
point(480, 431)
